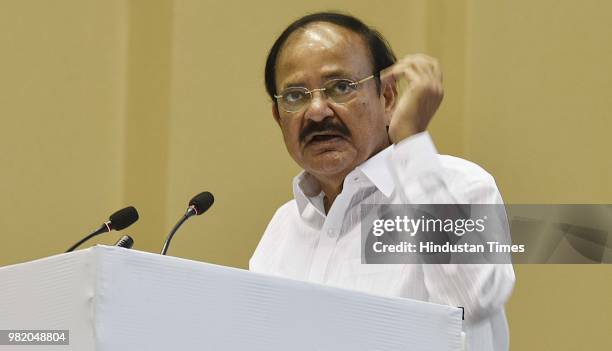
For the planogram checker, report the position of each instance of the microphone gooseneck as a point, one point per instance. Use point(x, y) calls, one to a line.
point(198, 205)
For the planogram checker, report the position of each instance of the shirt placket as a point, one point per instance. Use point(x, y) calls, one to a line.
point(330, 232)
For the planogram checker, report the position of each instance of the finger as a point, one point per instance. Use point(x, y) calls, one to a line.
point(396, 72)
point(437, 73)
point(389, 74)
point(420, 64)
point(428, 68)
point(416, 74)
point(427, 64)
point(413, 80)
point(423, 66)
point(436, 70)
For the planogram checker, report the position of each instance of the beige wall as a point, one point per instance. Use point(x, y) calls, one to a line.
point(110, 103)
point(537, 116)
point(62, 98)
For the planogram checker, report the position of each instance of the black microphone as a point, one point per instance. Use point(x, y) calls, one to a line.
point(117, 221)
point(198, 205)
point(125, 241)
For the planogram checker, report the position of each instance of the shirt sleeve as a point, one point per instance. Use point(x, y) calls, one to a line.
point(421, 178)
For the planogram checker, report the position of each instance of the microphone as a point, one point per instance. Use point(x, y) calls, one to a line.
point(125, 241)
point(117, 221)
point(198, 205)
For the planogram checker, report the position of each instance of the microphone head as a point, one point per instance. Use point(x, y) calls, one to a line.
point(125, 241)
point(123, 218)
point(202, 202)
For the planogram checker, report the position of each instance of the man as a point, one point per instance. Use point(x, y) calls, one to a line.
point(332, 81)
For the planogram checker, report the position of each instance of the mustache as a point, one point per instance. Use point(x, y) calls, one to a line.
point(326, 125)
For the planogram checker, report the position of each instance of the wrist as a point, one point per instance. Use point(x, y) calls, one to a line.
point(396, 134)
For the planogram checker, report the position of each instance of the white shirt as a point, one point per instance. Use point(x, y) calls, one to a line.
point(303, 242)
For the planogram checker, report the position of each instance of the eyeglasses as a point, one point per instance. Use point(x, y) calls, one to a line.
point(340, 91)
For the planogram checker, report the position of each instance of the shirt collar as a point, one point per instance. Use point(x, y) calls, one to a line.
point(306, 188)
point(376, 169)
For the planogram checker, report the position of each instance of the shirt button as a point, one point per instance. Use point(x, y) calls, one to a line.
point(331, 233)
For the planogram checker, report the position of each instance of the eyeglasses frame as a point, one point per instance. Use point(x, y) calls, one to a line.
point(309, 92)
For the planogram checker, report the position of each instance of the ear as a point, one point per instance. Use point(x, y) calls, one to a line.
point(389, 96)
point(275, 113)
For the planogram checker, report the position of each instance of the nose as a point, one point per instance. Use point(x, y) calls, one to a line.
point(318, 109)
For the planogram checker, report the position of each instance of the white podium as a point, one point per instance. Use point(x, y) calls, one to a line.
point(117, 299)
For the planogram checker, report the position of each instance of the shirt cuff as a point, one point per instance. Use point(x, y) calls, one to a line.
point(415, 155)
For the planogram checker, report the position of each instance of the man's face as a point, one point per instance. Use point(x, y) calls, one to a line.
point(325, 138)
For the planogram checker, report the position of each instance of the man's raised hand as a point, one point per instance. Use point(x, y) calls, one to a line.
point(421, 98)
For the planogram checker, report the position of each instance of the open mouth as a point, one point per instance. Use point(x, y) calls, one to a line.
point(322, 138)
